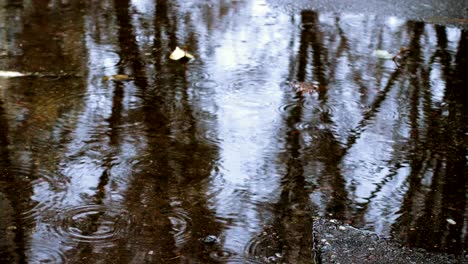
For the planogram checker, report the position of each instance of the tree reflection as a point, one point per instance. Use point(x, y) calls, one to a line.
point(12, 224)
point(429, 123)
point(32, 40)
point(173, 165)
point(327, 151)
point(427, 221)
point(374, 138)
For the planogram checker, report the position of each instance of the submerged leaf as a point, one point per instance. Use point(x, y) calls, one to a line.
point(179, 53)
point(10, 74)
point(117, 77)
point(120, 77)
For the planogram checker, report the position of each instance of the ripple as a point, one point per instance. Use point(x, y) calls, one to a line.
point(302, 125)
point(243, 260)
point(251, 95)
point(77, 120)
point(180, 221)
point(253, 103)
point(44, 253)
point(222, 254)
point(93, 224)
point(209, 136)
point(199, 76)
point(309, 26)
point(108, 58)
point(203, 87)
point(327, 109)
point(48, 191)
point(264, 246)
point(308, 105)
point(254, 85)
point(56, 116)
point(206, 84)
point(284, 108)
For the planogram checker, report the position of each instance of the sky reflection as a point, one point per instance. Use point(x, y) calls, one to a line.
point(146, 168)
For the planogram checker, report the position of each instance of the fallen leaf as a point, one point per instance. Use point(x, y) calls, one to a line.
point(117, 77)
point(10, 74)
point(383, 54)
point(451, 221)
point(401, 55)
point(304, 87)
point(179, 53)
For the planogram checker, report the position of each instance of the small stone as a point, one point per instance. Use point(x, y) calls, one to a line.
point(151, 252)
point(342, 228)
point(210, 239)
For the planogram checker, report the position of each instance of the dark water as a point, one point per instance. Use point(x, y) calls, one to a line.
point(220, 160)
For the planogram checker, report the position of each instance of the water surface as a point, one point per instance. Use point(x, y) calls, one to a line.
point(221, 159)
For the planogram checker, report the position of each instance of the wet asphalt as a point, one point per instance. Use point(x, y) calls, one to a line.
point(338, 243)
point(450, 12)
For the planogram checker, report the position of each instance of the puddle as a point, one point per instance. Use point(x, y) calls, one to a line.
point(141, 168)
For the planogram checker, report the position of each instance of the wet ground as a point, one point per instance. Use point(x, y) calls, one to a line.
point(291, 112)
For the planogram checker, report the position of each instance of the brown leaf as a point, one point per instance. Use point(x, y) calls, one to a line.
point(304, 87)
point(117, 77)
point(401, 55)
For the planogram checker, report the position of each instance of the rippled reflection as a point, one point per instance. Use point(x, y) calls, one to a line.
point(143, 169)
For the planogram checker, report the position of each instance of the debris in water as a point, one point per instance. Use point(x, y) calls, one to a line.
point(401, 55)
point(451, 221)
point(179, 54)
point(117, 77)
point(383, 54)
point(304, 87)
point(209, 240)
point(173, 258)
point(10, 74)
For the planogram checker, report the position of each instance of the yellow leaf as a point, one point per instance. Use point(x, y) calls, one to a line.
point(188, 55)
point(179, 53)
point(120, 77)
